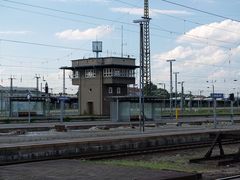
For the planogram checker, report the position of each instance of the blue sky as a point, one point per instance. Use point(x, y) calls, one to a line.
point(206, 47)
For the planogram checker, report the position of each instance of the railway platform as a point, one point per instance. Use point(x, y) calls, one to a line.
point(49, 144)
point(93, 140)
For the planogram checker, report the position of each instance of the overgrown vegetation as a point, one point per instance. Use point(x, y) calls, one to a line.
point(177, 165)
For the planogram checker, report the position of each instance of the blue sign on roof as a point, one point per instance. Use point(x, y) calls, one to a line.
point(217, 95)
point(63, 98)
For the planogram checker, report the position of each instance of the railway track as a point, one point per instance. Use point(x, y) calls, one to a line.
point(123, 153)
point(230, 177)
point(157, 149)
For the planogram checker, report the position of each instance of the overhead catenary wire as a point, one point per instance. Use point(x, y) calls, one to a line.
point(199, 10)
point(60, 46)
point(156, 27)
point(46, 45)
point(178, 33)
point(62, 11)
point(69, 12)
point(178, 18)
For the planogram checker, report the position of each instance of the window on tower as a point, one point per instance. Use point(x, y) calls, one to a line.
point(118, 72)
point(75, 74)
point(118, 90)
point(90, 73)
point(110, 90)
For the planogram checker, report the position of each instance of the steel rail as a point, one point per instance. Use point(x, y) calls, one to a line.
point(122, 153)
point(157, 149)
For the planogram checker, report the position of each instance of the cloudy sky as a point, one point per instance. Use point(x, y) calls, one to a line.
point(37, 37)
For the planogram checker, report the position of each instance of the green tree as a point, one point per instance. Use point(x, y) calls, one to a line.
point(155, 91)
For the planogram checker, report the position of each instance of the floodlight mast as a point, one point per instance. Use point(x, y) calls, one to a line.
point(170, 99)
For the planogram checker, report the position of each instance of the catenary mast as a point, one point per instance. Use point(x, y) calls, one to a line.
point(146, 60)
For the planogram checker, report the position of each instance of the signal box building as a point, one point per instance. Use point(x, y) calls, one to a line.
point(101, 78)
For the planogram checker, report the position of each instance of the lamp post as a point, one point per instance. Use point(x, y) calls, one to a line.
point(176, 73)
point(214, 105)
point(237, 100)
point(237, 95)
point(164, 87)
point(29, 114)
point(62, 105)
point(141, 74)
point(182, 93)
point(200, 99)
point(190, 100)
point(170, 100)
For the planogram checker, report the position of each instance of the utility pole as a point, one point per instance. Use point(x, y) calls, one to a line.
point(11, 94)
point(170, 100)
point(176, 73)
point(64, 88)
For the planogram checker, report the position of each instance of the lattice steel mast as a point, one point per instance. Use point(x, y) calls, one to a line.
point(146, 60)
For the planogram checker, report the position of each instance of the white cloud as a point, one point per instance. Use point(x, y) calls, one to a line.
point(205, 53)
point(218, 74)
point(87, 34)
point(153, 12)
point(170, 12)
point(132, 11)
point(225, 31)
point(205, 61)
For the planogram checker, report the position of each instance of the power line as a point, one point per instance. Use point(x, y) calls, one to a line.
point(179, 18)
point(69, 12)
point(198, 23)
point(156, 26)
point(45, 45)
point(99, 18)
point(132, 5)
point(202, 11)
point(194, 37)
point(49, 15)
point(74, 20)
point(33, 67)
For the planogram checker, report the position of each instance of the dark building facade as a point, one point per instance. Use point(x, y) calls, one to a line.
point(100, 78)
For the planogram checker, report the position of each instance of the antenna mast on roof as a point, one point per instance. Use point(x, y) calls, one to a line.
point(97, 47)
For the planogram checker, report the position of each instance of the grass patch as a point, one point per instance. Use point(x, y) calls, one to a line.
point(177, 165)
point(7, 121)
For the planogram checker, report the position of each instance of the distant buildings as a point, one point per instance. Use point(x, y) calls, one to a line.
point(14, 102)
